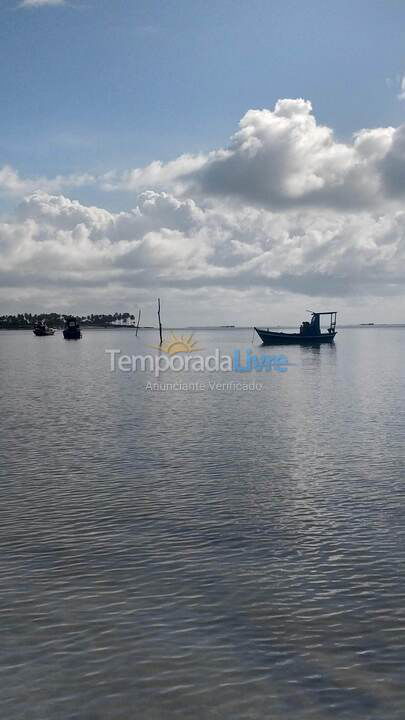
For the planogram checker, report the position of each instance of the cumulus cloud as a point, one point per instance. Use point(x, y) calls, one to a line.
point(285, 210)
point(156, 175)
point(168, 243)
point(280, 159)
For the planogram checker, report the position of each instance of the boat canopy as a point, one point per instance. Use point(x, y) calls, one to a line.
point(314, 327)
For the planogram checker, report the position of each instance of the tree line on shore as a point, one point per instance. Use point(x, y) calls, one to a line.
point(56, 320)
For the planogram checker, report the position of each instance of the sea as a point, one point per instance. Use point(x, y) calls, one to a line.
point(205, 544)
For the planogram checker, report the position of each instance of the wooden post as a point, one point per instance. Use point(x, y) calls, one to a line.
point(137, 325)
point(160, 324)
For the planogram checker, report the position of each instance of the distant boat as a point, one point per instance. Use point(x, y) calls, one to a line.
point(71, 330)
point(41, 329)
point(227, 326)
point(310, 332)
point(366, 324)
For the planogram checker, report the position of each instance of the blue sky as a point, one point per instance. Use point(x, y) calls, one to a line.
point(97, 84)
point(240, 159)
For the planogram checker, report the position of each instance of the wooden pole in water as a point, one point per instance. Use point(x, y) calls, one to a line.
point(137, 325)
point(160, 324)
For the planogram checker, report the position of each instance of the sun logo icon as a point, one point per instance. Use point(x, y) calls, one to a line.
point(175, 344)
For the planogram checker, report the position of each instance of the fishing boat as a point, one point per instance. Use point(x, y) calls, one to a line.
point(41, 329)
point(72, 331)
point(310, 332)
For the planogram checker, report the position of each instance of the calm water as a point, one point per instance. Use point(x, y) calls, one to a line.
point(204, 554)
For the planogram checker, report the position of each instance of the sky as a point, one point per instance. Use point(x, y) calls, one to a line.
point(244, 161)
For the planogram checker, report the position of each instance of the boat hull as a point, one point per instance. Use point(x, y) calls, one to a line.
point(270, 337)
point(72, 334)
point(43, 333)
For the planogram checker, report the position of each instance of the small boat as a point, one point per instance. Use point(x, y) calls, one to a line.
point(310, 332)
point(72, 331)
point(41, 329)
point(366, 324)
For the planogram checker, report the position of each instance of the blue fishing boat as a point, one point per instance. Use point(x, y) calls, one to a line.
point(310, 332)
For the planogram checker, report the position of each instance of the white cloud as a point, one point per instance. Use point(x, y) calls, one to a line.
point(286, 211)
point(156, 175)
point(397, 84)
point(282, 158)
point(278, 159)
point(11, 182)
point(40, 3)
point(169, 245)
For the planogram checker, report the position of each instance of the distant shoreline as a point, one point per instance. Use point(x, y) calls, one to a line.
point(209, 327)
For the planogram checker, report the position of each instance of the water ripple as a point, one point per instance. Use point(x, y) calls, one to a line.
point(208, 555)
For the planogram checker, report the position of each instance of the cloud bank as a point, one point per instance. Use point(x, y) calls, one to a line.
point(286, 211)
